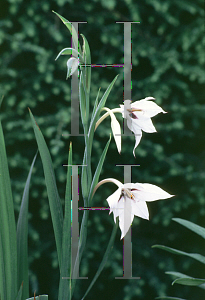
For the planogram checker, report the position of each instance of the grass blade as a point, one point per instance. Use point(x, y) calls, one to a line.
point(177, 274)
point(196, 256)
point(22, 238)
point(96, 104)
point(7, 228)
point(64, 286)
point(2, 272)
point(195, 228)
point(73, 32)
point(181, 275)
point(19, 296)
point(87, 59)
point(189, 281)
point(53, 196)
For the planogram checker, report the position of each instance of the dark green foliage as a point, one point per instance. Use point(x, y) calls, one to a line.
point(168, 64)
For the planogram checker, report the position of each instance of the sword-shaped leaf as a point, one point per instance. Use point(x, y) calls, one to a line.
point(22, 238)
point(190, 225)
point(65, 284)
point(196, 256)
point(8, 247)
point(53, 196)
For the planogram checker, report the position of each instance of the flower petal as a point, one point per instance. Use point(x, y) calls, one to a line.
point(140, 209)
point(149, 192)
point(137, 140)
point(114, 203)
point(142, 121)
point(150, 107)
point(116, 129)
point(124, 226)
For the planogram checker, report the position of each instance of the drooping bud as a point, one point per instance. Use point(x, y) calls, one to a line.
point(72, 65)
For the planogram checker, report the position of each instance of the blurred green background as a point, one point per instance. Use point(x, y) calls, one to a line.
point(168, 64)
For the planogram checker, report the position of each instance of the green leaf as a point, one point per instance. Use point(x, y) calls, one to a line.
point(2, 272)
point(22, 238)
point(96, 104)
point(98, 110)
point(189, 281)
point(177, 274)
point(87, 60)
point(86, 51)
point(73, 32)
point(8, 247)
point(65, 284)
point(181, 275)
point(98, 171)
point(169, 298)
point(83, 231)
point(83, 109)
point(53, 196)
point(19, 296)
point(195, 228)
point(40, 297)
point(86, 75)
point(105, 257)
point(196, 256)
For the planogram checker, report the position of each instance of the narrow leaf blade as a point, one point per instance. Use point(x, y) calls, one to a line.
point(181, 275)
point(22, 238)
point(65, 284)
point(177, 274)
point(53, 196)
point(190, 225)
point(96, 104)
point(87, 59)
point(7, 225)
point(19, 296)
point(195, 256)
point(189, 281)
point(72, 31)
point(2, 271)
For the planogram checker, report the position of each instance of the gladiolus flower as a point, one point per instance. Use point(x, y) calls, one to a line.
point(130, 199)
point(138, 115)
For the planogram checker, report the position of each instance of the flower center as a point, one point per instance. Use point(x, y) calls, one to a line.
point(127, 193)
point(133, 116)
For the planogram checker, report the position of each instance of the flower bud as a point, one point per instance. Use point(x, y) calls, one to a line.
point(72, 65)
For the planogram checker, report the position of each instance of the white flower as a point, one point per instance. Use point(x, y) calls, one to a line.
point(138, 115)
point(72, 65)
point(130, 199)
